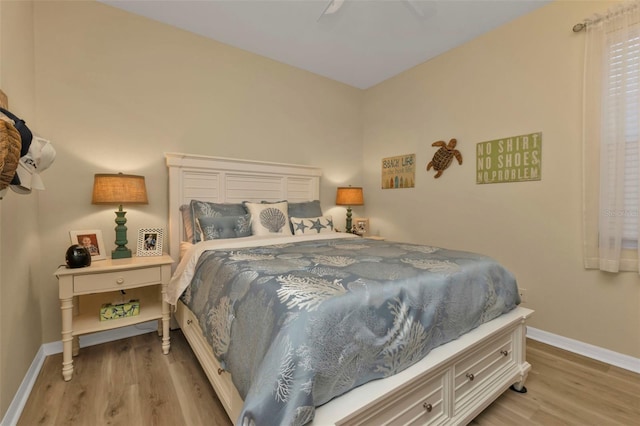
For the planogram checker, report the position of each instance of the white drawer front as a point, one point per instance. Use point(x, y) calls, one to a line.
point(116, 280)
point(471, 372)
point(419, 404)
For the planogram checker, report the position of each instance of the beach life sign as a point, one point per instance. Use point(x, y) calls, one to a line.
point(399, 172)
point(512, 159)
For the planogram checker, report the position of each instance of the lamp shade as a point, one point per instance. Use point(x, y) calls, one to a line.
point(119, 189)
point(349, 196)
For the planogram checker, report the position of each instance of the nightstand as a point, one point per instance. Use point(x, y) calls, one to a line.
point(83, 291)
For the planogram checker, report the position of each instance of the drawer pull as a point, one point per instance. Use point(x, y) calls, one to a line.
point(503, 352)
point(120, 281)
point(427, 407)
point(470, 376)
point(189, 322)
point(220, 371)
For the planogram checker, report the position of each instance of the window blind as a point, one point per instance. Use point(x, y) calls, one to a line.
point(622, 102)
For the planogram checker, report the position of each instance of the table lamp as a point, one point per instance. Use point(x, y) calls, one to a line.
point(349, 196)
point(119, 189)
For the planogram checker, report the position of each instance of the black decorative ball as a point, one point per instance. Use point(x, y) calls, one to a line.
point(78, 256)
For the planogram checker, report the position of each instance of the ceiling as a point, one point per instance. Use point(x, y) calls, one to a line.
point(361, 44)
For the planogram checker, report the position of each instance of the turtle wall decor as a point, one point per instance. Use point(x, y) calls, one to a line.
point(444, 156)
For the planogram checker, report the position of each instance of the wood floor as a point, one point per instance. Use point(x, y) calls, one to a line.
point(568, 389)
point(130, 382)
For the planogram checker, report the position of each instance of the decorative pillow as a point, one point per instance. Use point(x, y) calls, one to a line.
point(206, 209)
point(312, 225)
point(215, 228)
point(304, 209)
point(268, 219)
point(187, 222)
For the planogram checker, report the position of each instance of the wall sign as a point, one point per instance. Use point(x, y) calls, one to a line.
point(512, 159)
point(399, 172)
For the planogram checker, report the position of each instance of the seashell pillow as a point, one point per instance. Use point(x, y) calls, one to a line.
point(312, 225)
point(269, 219)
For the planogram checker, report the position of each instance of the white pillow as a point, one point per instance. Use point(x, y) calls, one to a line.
point(269, 218)
point(312, 225)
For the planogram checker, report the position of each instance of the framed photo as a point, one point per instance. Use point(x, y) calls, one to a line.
point(361, 225)
point(91, 239)
point(150, 241)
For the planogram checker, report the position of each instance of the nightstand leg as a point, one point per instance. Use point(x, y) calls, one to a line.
point(166, 344)
point(166, 316)
point(66, 307)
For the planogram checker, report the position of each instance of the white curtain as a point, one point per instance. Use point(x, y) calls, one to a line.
point(611, 140)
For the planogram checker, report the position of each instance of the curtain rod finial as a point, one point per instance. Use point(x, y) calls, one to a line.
point(579, 27)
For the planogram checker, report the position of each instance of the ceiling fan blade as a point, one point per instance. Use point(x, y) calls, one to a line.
point(332, 7)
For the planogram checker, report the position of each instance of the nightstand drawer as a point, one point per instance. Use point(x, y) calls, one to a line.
point(116, 280)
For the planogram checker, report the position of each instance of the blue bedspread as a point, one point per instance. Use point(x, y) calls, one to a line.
point(298, 324)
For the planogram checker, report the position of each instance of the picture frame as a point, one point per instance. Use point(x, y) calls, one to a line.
point(150, 241)
point(91, 239)
point(361, 226)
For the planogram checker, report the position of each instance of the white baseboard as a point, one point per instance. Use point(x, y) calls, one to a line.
point(20, 399)
point(594, 352)
point(14, 411)
point(105, 336)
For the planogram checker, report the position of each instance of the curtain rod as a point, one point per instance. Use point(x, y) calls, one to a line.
point(579, 27)
point(621, 8)
point(583, 25)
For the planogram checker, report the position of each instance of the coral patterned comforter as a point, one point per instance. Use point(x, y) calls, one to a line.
point(299, 321)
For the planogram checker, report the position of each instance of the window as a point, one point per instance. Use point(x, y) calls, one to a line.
point(621, 104)
point(612, 141)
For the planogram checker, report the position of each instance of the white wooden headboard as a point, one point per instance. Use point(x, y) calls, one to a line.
point(228, 180)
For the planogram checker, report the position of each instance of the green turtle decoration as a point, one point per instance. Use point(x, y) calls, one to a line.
point(444, 156)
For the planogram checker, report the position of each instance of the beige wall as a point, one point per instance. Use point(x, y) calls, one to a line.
point(522, 78)
point(116, 91)
point(20, 254)
point(113, 92)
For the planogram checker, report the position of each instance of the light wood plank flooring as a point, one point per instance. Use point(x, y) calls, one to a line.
point(568, 389)
point(130, 382)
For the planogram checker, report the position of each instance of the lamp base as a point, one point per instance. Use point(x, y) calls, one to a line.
point(121, 254)
point(121, 251)
point(349, 222)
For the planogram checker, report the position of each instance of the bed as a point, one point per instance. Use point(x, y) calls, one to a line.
point(462, 372)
